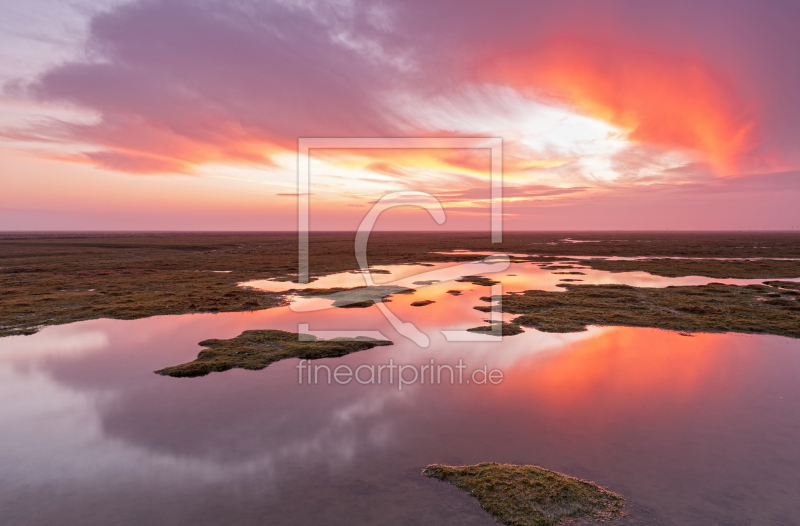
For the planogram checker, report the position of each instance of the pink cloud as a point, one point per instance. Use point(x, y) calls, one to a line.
point(176, 84)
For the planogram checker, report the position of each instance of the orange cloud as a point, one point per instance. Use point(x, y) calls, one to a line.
point(677, 102)
point(399, 162)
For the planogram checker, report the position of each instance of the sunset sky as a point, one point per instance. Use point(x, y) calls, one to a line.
point(186, 114)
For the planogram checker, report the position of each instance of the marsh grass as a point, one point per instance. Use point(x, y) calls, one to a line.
point(50, 279)
point(711, 268)
point(356, 297)
point(481, 281)
point(710, 308)
point(257, 349)
point(530, 495)
point(507, 329)
point(791, 285)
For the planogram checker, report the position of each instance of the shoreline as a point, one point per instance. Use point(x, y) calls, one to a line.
point(52, 280)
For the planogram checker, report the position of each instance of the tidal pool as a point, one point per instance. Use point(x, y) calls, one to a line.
point(517, 277)
point(692, 430)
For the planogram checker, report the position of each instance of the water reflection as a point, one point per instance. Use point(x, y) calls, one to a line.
point(698, 429)
point(518, 277)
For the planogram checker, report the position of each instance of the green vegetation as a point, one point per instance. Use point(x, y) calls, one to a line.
point(710, 308)
point(79, 292)
point(530, 495)
point(257, 349)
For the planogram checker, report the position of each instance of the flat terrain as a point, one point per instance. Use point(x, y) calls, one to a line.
point(49, 279)
point(754, 309)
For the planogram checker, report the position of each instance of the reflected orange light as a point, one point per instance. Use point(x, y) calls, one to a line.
point(628, 366)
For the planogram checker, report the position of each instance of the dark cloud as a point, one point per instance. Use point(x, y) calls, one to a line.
point(177, 83)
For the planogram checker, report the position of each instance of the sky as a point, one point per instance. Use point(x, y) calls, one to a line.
point(186, 114)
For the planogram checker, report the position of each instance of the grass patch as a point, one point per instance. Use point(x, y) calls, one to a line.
point(792, 285)
point(530, 495)
point(357, 297)
point(478, 280)
point(507, 329)
point(422, 303)
point(709, 308)
point(257, 349)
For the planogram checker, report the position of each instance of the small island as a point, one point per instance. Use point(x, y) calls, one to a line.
point(506, 329)
point(481, 281)
point(530, 495)
point(257, 349)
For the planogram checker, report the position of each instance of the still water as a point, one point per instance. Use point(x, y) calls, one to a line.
point(692, 430)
